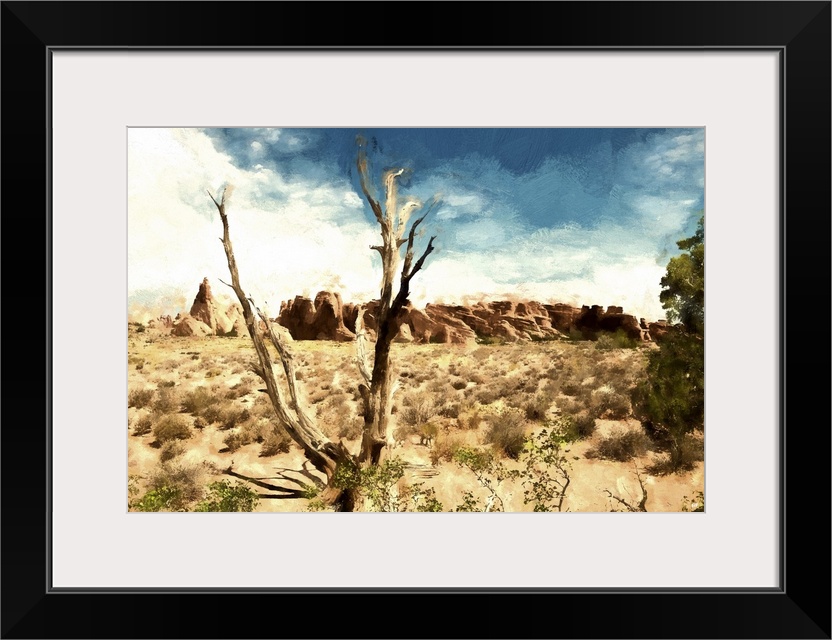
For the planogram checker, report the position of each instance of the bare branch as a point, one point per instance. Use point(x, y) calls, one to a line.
point(634, 508)
point(364, 179)
point(317, 448)
point(411, 237)
point(421, 261)
point(391, 192)
point(314, 434)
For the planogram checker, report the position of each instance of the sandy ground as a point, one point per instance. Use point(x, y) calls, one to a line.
point(468, 380)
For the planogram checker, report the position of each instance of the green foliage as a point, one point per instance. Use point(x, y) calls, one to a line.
point(546, 470)
point(489, 471)
point(376, 483)
point(671, 401)
point(223, 496)
point(683, 286)
point(469, 503)
point(617, 340)
point(184, 478)
point(571, 428)
point(164, 498)
point(423, 500)
point(490, 341)
point(695, 505)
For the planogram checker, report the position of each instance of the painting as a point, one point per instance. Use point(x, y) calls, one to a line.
point(415, 320)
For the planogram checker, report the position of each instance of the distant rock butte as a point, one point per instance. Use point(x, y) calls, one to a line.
point(327, 317)
point(207, 311)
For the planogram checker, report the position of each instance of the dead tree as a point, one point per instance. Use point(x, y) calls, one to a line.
point(327, 456)
point(393, 218)
point(324, 454)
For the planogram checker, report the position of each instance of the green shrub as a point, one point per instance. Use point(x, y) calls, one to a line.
point(617, 340)
point(574, 427)
point(690, 451)
point(225, 497)
point(546, 472)
point(172, 487)
point(697, 504)
point(162, 499)
point(671, 401)
point(171, 427)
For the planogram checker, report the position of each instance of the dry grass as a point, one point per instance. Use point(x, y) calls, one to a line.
point(487, 396)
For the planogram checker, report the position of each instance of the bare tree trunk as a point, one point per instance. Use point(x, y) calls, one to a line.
point(378, 387)
point(324, 454)
point(393, 219)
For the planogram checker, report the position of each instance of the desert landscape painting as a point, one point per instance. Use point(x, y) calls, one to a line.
point(415, 320)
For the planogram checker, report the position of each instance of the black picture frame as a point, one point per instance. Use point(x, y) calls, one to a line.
point(799, 31)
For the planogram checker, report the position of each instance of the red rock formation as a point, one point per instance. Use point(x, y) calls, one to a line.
point(162, 322)
point(327, 317)
point(188, 326)
point(206, 309)
point(322, 319)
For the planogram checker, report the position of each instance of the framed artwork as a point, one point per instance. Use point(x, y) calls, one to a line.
point(551, 165)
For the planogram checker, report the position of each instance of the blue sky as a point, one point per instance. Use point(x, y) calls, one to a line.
point(587, 216)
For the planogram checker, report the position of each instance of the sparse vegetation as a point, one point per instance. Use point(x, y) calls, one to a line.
point(223, 496)
point(620, 445)
point(528, 386)
point(506, 431)
point(140, 398)
point(171, 427)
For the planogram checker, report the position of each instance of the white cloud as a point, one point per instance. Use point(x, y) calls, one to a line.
point(287, 235)
point(293, 235)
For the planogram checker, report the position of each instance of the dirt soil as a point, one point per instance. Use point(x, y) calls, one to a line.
point(206, 384)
